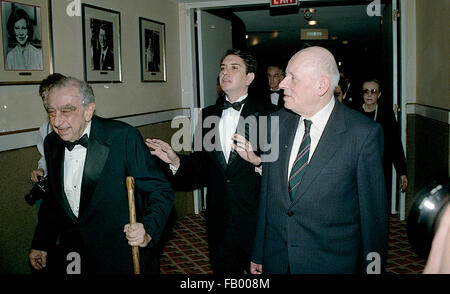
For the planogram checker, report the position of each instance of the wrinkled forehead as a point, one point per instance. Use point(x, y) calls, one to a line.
point(63, 96)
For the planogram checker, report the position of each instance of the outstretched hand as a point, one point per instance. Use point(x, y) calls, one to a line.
point(163, 151)
point(245, 150)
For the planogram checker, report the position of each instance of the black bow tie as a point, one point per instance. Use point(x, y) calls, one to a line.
point(83, 141)
point(276, 91)
point(236, 105)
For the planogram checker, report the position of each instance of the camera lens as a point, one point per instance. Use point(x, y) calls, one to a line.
point(424, 216)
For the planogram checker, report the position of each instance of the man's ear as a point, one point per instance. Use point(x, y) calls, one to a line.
point(89, 111)
point(250, 78)
point(323, 85)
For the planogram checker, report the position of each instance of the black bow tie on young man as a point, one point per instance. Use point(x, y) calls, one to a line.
point(83, 141)
point(236, 105)
point(279, 91)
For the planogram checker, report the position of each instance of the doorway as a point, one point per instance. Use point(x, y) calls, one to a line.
point(360, 36)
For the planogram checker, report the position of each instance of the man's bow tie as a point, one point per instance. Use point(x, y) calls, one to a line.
point(236, 105)
point(83, 141)
point(276, 91)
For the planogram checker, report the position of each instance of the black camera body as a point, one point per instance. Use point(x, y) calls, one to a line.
point(38, 191)
point(425, 215)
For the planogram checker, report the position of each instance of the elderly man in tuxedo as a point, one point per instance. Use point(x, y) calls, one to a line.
point(323, 205)
point(86, 212)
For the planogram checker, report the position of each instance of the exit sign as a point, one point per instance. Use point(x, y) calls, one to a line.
point(282, 3)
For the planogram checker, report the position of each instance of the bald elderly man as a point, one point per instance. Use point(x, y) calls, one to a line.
point(323, 206)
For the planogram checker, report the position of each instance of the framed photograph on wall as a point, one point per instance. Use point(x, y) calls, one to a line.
point(101, 44)
point(153, 50)
point(26, 56)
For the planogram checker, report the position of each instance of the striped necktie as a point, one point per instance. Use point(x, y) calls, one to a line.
point(301, 161)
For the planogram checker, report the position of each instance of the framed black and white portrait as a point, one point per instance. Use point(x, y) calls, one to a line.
point(153, 51)
point(26, 56)
point(101, 44)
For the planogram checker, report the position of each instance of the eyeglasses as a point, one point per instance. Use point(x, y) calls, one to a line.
point(371, 91)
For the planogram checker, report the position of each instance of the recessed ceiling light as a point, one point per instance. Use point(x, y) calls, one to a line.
point(312, 22)
point(345, 42)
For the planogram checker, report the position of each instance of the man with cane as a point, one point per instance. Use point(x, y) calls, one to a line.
point(86, 214)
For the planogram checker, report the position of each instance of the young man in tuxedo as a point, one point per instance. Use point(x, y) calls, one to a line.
point(86, 212)
point(233, 184)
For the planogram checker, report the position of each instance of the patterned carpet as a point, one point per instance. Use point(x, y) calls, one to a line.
point(186, 251)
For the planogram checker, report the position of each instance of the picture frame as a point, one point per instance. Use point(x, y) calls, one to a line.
point(25, 59)
point(101, 44)
point(152, 40)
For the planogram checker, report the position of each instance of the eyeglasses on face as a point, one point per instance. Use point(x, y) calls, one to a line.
point(371, 91)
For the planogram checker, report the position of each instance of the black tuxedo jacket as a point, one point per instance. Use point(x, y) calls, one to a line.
point(115, 151)
point(339, 214)
point(232, 189)
point(265, 95)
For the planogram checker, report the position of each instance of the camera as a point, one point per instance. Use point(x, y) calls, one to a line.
point(38, 191)
point(425, 215)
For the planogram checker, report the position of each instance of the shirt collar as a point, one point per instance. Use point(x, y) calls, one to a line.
point(320, 119)
point(87, 131)
point(240, 98)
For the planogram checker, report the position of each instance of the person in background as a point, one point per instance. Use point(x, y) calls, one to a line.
point(393, 149)
point(45, 128)
point(339, 92)
point(273, 94)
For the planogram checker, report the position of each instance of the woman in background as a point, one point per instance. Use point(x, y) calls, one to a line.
point(24, 55)
point(393, 149)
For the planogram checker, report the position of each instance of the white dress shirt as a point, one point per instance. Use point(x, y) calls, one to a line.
point(319, 121)
point(44, 130)
point(227, 127)
point(73, 173)
point(274, 97)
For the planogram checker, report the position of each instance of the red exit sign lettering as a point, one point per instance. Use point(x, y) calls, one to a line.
point(279, 3)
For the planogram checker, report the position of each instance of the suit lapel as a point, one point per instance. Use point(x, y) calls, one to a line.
point(245, 126)
point(216, 155)
point(96, 156)
point(325, 150)
point(287, 135)
point(56, 174)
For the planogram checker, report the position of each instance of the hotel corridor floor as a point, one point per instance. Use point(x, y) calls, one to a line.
point(186, 250)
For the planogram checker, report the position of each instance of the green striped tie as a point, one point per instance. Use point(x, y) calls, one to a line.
point(301, 161)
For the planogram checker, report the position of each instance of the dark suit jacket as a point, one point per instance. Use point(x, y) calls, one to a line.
point(108, 63)
point(265, 96)
point(393, 149)
point(233, 189)
point(339, 213)
point(115, 151)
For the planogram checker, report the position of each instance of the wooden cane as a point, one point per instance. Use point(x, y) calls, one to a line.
point(132, 211)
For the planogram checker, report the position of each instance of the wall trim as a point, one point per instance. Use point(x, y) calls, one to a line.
point(26, 138)
point(435, 113)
